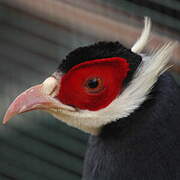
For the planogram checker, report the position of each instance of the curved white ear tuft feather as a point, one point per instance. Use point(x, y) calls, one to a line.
point(142, 41)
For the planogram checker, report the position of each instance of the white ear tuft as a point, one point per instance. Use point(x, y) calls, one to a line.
point(142, 41)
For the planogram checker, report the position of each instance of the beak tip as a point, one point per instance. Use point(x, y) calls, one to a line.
point(9, 114)
point(5, 119)
point(4, 122)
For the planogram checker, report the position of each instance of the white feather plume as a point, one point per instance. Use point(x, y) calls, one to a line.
point(144, 79)
point(142, 41)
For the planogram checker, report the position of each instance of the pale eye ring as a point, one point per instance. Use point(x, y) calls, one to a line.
point(94, 85)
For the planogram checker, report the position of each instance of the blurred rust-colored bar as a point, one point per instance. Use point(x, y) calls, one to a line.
point(85, 21)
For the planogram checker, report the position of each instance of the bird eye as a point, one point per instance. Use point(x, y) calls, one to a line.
point(94, 85)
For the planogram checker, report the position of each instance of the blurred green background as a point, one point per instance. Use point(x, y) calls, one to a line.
point(34, 37)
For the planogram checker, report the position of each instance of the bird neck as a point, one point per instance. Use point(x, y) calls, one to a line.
point(162, 102)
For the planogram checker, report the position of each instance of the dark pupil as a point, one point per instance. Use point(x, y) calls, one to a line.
point(93, 83)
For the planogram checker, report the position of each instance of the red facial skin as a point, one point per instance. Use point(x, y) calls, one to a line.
point(110, 72)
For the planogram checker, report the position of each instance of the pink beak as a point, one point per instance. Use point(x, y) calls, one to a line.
point(30, 99)
point(39, 97)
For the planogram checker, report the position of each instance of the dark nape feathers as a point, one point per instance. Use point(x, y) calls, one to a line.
point(98, 51)
point(142, 146)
